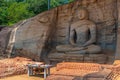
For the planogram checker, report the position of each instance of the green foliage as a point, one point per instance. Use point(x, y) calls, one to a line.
point(3, 13)
point(12, 11)
point(37, 6)
point(55, 3)
point(18, 11)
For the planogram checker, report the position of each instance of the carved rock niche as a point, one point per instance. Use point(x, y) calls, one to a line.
point(43, 35)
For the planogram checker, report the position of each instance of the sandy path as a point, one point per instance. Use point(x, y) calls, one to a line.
point(23, 77)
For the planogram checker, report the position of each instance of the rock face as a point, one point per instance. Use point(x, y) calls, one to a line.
point(34, 36)
point(40, 35)
point(118, 33)
point(4, 36)
point(103, 13)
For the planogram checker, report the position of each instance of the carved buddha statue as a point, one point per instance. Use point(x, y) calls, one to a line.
point(82, 36)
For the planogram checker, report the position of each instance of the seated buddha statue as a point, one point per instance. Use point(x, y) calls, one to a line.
point(82, 36)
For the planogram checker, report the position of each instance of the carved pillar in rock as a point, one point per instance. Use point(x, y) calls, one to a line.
point(117, 56)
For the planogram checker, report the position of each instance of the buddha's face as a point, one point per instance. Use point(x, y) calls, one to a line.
point(93, 1)
point(85, 3)
point(83, 14)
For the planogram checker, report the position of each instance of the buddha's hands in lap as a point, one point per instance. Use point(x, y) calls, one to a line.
point(78, 47)
point(70, 48)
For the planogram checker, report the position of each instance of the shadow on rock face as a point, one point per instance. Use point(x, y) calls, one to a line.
point(22, 53)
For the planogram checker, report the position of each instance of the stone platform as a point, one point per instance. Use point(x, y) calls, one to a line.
point(56, 57)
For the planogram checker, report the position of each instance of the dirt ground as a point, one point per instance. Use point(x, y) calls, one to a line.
point(14, 66)
point(15, 69)
point(23, 77)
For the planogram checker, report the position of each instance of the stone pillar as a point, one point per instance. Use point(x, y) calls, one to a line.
point(117, 57)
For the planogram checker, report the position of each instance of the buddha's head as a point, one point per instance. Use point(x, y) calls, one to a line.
point(85, 3)
point(83, 14)
point(93, 1)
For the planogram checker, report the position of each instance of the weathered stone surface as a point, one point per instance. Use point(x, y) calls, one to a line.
point(4, 36)
point(82, 36)
point(33, 38)
point(100, 13)
point(118, 33)
point(77, 57)
point(41, 34)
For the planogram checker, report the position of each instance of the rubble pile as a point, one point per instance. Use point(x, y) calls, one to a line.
point(86, 71)
point(14, 66)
